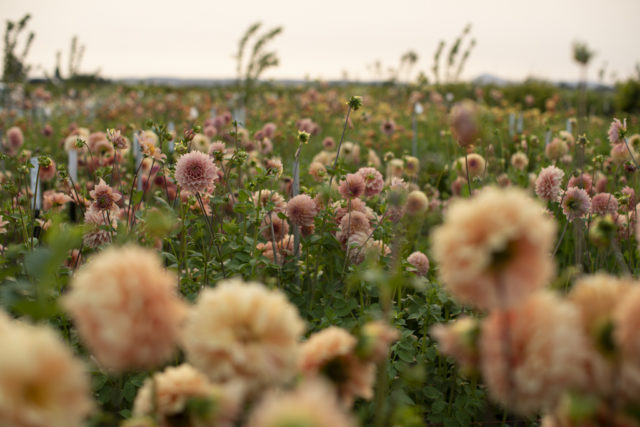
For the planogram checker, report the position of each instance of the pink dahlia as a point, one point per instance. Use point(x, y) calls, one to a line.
point(353, 186)
point(548, 183)
point(617, 131)
point(373, 181)
point(301, 210)
point(104, 197)
point(463, 121)
point(196, 172)
point(14, 140)
point(604, 203)
point(420, 262)
point(576, 203)
point(583, 181)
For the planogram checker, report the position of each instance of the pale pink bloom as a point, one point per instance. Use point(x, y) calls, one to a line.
point(265, 197)
point(477, 165)
point(269, 129)
point(519, 161)
point(596, 298)
point(273, 166)
point(312, 403)
point(265, 146)
point(14, 140)
point(126, 308)
point(217, 147)
point(55, 201)
point(274, 227)
point(388, 127)
point(604, 203)
point(104, 197)
point(167, 395)
point(307, 125)
point(318, 171)
point(630, 203)
point(210, 131)
point(3, 223)
point(243, 331)
point(42, 384)
point(47, 173)
point(617, 130)
point(342, 209)
point(376, 338)
point(336, 347)
point(117, 139)
point(548, 183)
point(463, 120)
point(373, 180)
point(352, 186)
point(152, 151)
point(301, 210)
point(417, 203)
point(352, 223)
point(583, 181)
point(556, 149)
point(459, 339)
point(283, 248)
point(532, 353)
point(493, 250)
point(328, 143)
point(420, 262)
point(196, 172)
point(576, 203)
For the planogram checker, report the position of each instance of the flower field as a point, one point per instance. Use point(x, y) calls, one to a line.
point(395, 255)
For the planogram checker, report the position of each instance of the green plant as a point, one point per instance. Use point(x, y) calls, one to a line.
point(15, 68)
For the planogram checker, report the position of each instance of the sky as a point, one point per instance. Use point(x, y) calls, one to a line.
point(515, 39)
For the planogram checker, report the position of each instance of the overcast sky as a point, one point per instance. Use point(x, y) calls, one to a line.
point(321, 39)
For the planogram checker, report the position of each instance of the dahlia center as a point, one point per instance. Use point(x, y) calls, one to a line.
point(501, 257)
point(36, 394)
point(103, 201)
point(336, 370)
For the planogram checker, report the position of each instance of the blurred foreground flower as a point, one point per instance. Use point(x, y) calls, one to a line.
point(41, 383)
point(494, 250)
point(126, 308)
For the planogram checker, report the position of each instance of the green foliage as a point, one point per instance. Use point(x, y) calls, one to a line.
point(627, 97)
